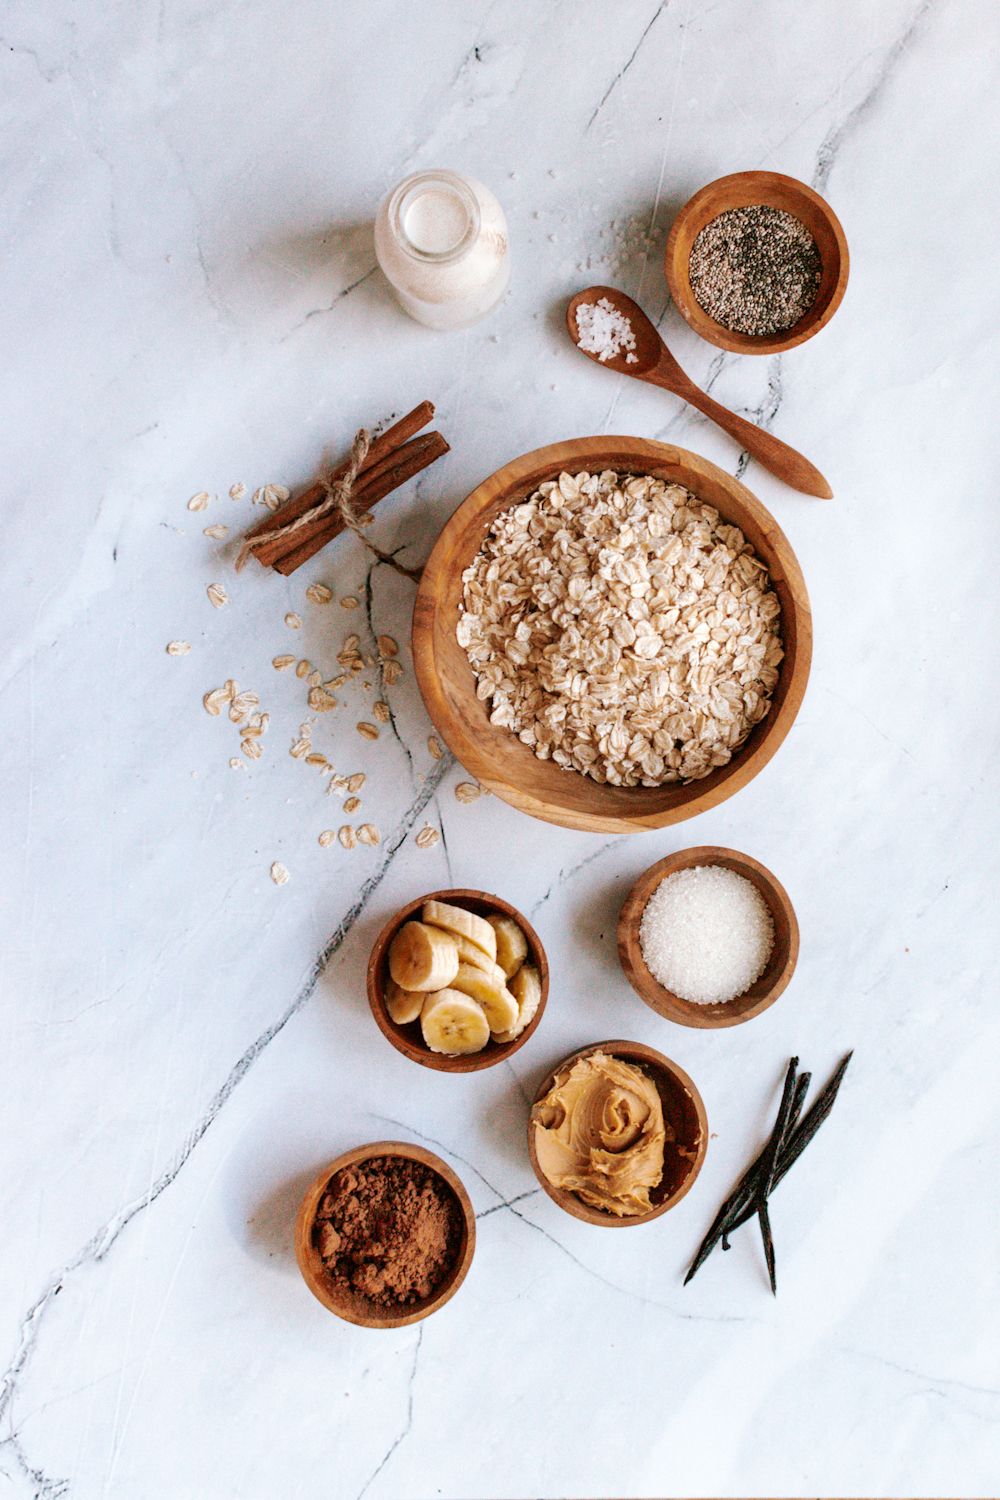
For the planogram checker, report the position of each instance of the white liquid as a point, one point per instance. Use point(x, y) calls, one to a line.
point(436, 221)
point(443, 275)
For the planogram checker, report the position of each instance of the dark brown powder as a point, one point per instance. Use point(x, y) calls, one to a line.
point(389, 1230)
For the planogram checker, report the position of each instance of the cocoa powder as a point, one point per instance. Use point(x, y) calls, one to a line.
point(388, 1230)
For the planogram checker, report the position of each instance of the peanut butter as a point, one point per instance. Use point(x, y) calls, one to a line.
point(599, 1133)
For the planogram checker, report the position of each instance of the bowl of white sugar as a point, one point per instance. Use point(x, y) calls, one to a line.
point(708, 937)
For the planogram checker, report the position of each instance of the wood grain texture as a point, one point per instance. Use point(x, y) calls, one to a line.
point(739, 190)
point(683, 1111)
point(653, 363)
point(762, 993)
point(408, 1039)
point(354, 1309)
point(495, 756)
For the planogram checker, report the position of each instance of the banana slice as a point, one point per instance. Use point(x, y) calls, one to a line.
point(512, 945)
point(454, 1024)
point(403, 1006)
point(465, 923)
point(422, 958)
point(490, 989)
point(526, 987)
point(468, 953)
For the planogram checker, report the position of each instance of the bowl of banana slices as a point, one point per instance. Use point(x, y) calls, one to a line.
point(458, 980)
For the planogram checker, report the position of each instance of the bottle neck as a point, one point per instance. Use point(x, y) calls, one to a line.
point(435, 218)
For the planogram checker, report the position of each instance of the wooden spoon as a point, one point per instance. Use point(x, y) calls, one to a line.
point(654, 363)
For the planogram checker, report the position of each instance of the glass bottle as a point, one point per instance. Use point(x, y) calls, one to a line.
point(441, 240)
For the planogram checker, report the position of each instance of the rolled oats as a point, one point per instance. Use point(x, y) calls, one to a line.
point(620, 627)
point(427, 837)
point(366, 730)
point(318, 593)
point(368, 834)
point(279, 873)
point(326, 838)
point(281, 663)
point(293, 621)
point(217, 595)
point(178, 648)
point(347, 836)
point(468, 791)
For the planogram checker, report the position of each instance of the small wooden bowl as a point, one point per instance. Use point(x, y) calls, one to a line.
point(408, 1039)
point(495, 756)
point(762, 993)
point(739, 190)
point(355, 1309)
point(682, 1109)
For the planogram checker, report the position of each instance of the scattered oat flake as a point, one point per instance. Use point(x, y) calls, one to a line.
point(387, 646)
point(352, 804)
point(270, 496)
point(232, 688)
point(468, 791)
point(217, 595)
point(303, 668)
point(199, 501)
point(237, 490)
point(178, 648)
point(252, 748)
point(216, 700)
point(321, 700)
point(381, 711)
point(260, 722)
point(317, 760)
point(281, 663)
point(241, 706)
point(427, 837)
point(315, 679)
point(293, 621)
point(347, 836)
point(300, 748)
point(335, 682)
point(369, 834)
point(391, 673)
point(235, 764)
point(367, 731)
point(326, 838)
point(348, 602)
point(434, 746)
point(279, 873)
point(356, 782)
point(318, 593)
point(216, 532)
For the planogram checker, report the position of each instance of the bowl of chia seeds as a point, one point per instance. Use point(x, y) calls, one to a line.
point(757, 262)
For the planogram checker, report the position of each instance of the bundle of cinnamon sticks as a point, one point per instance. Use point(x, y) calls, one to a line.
point(395, 456)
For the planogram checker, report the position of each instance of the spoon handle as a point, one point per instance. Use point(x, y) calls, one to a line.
point(778, 457)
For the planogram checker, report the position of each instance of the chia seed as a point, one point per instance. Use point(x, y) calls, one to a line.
point(755, 270)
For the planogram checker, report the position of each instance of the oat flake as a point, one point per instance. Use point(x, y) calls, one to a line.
point(216, 532)
point(293, 621)
point(387, 646)
point(347, 836)
point(281, 663)
point(217, 595)
point(199, 501)
point(279, 873)
point(366, 730)
point(178, 648)
point(348, 602)
point(434, 746)
point(237, 490)
point(468, 791)
point(326, 838)
point(427, 837)
point(318, 593)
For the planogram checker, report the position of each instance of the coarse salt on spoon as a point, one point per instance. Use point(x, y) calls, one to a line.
point(640, 351)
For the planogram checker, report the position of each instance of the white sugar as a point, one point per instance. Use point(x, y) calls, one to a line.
point(602, 330)
point(706, 934)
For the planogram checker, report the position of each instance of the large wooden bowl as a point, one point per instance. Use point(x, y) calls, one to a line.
point(408, 1039)
point(762, 993)
point(739, 190)
point(359, 1310)
point(494, 755)
point(683, 1111)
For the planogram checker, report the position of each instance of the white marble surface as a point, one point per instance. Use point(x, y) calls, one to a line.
point(189, 300)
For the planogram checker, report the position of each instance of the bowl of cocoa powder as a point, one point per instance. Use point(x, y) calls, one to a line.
point(385, 1235)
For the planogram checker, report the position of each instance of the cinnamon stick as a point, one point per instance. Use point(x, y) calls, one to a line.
point(371, 487)
point(382, 447)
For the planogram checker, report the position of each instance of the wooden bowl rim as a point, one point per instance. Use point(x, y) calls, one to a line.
point(679, 284)
point(418, 1051)
point(639, 455)
point(311, 1265)
point(637, 1052)
point(675, 1007)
